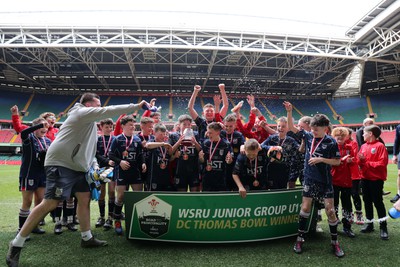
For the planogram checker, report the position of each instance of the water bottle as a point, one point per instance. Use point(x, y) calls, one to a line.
point(394, 214)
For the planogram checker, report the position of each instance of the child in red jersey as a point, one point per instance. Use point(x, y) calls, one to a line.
point(373, 161)
point(341, 179)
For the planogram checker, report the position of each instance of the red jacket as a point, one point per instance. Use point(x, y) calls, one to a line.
point(247, 131)
point(341, 175)
point(19, 127)
point(374, 167)
point(355, 170)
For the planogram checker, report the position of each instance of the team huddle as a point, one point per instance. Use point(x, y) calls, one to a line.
point(223, 154)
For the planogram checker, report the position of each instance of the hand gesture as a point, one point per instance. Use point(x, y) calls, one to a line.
point(221, 86)
point(288, 106)
point(255, 111)
point(197, 88)
point(153, 102)
point(14, 110)
point(250, 100)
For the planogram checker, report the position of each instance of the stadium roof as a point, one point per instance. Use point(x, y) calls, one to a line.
point(168, 50)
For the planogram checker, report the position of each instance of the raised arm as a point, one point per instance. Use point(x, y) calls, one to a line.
point(225, 102)
point(192, 100)
point(289, 111)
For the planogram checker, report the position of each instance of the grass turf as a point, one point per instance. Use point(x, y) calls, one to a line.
point(64, 250)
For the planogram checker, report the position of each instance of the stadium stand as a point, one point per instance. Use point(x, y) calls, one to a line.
point(386, 106)
point(53, 103)
point(6, 135)
point(352, 109)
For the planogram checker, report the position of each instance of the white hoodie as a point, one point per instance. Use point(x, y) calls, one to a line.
point(75, 144)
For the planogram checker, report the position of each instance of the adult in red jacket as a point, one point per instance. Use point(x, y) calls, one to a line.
point(373, 160)
point(341, 179)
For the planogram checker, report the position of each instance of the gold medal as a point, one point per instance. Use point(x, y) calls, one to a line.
point(163, 165)
point(256, 183)
point(209, 167)
point(185, 156)
point(125, 154)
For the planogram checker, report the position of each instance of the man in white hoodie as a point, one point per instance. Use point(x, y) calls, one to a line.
point(67, 161)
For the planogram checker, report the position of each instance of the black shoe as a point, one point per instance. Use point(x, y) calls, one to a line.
point(108, 224)
point(349, 232)
point(395, 198)
point(58, 229)
point(42, 222)
point(100, 222)
point(93, 243)
point(72, 227)
point(337, 250)
point(368, 228)
point(384, 231)
point(298, 246)
point(38, 231)
point(12, 258)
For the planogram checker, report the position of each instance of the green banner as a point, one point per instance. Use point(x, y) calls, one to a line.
point(212, 217)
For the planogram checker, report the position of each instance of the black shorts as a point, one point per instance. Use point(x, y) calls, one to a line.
point(32, 183)
point(317, 191)
point(191, 180)
point(128, 177)
point(62, 183)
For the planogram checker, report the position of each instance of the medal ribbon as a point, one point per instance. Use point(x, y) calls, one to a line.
point(128, 143)
point(212, 151)
point(163, 153)
point(312, 149)
point(40, 143)
point(106, 148)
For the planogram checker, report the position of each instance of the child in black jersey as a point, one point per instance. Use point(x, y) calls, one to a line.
point(214, 157)
point(127, 153)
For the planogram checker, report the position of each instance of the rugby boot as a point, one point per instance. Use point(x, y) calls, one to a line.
point(359, 217)
point(384, 232)
point(108, 224)
point(72, 227)
point(118, 227)
point(298, 246)
point(38, 231)
point(349, 232)
point(100, 222)
point(42, 222)
point(93, 243)
point(58, 229)
point(368, 228)
point(12, 258)
point(336, 249)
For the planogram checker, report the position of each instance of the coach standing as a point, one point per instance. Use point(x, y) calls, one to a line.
point(67, 161)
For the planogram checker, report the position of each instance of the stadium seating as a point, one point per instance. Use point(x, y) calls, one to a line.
point(8, 99)
point(43, 103)
point(6, 135)
point(353, 110)
point(386, 106)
